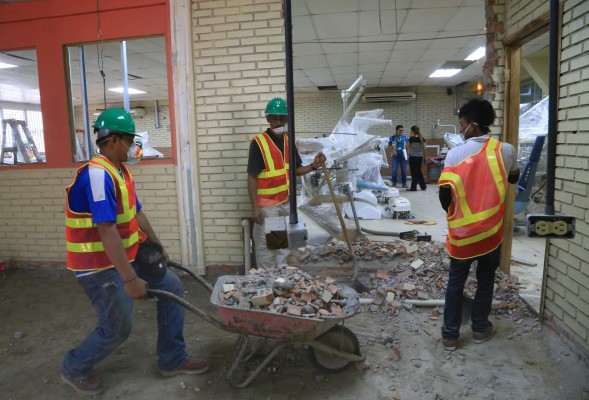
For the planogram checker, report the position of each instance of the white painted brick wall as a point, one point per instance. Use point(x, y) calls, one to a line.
point(318, 113)
point(239, 66)
point(567, 287)
point(35, 200)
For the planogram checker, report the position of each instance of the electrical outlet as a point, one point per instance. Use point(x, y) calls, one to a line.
point(550, 226)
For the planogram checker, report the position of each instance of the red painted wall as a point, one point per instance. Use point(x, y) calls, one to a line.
point(50, 25)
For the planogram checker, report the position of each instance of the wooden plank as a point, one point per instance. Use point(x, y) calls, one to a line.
point(510, 135)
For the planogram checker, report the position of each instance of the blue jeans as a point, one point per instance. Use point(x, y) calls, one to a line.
point(106, 291)
point(483, 298)
point(399, 161)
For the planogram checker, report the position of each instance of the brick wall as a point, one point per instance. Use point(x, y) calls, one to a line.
point(34, 200)
point(238, 65)
point(522, 12)
point(318, 113)
point(567, 286)
point(495, 62)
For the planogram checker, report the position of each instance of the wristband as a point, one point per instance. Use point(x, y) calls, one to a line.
point(130, 279)
point(313, 168)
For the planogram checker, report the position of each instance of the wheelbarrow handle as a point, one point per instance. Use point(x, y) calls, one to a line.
point(199, 279)
point(162, 294)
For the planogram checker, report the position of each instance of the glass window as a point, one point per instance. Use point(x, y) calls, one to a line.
point(96, 77)
point(21, 123)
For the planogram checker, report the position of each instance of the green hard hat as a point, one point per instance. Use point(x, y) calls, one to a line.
point(114, 120)
point(276, 106)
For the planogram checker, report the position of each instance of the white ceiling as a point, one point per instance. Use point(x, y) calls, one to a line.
point(392, 43)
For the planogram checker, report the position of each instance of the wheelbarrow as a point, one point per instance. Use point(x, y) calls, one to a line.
point(332, 347)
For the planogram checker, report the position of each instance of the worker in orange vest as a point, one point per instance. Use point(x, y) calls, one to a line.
point(268, 178)
point(472, 192)
point(104, 226)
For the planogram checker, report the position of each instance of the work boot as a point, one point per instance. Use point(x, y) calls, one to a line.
point(481, 337)
point(193, 366)
point(89, 386)
point(449, 344)
point(405, 186)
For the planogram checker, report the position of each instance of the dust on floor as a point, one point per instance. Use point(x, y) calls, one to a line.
point(45, 313)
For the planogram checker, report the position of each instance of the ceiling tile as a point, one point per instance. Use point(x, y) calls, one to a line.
point(336, 26)
point(429, 20)
point(328, 7)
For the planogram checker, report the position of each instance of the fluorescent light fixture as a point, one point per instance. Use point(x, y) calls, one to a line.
point(131, 90)
point(5, 65)
point(444, 73)
point(476, 55)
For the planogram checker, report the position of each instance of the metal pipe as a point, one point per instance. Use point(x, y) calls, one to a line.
point(157, 114)
point(293, 216)
point(437, 124)
point(552, 106)
point(84, 88)
point(125, 75)
point(246, 244)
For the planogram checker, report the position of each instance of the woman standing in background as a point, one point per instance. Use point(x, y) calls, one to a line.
point(416, 158)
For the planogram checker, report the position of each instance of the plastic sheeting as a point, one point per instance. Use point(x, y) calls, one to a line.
point(532, 123)
point(359, 155)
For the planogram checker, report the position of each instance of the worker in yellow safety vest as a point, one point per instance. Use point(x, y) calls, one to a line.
point(104, 227)
point(268, 179)
point(472, 191)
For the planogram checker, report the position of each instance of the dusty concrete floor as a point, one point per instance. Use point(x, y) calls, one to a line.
point(51, 312)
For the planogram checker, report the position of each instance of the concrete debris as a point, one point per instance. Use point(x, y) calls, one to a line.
point(290, 291)
point(416, 271)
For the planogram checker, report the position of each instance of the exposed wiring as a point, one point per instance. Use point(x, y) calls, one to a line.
point(100, 51)
point(388, 40)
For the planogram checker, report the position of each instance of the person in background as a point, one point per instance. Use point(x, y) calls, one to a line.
point(417, 157)
point(399, 142)
point(104, 226)
point(268, 179)
point(472, 192)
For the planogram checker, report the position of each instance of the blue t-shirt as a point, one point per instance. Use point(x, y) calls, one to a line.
point(399, 143)
point(94, 192)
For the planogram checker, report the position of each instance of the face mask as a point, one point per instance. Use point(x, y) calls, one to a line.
point(461, 133)
point(134, 152)
point(279, 130)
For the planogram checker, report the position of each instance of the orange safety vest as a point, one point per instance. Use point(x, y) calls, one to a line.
point(273, 181)
point(475, 217)
point(84, 247)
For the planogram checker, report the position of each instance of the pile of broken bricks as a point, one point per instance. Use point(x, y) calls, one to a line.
point(408, 272)
point(290, 291)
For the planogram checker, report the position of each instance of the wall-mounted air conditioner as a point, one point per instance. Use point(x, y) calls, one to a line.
point(389, 97)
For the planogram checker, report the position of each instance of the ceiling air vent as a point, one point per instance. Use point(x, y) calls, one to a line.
point(389, 97)
point(327, 88)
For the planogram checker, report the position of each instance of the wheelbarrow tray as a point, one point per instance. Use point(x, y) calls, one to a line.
point(266, 323)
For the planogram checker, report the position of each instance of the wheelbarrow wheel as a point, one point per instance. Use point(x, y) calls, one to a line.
point(340, 339)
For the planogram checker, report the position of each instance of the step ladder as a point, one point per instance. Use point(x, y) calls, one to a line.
point(18, 144)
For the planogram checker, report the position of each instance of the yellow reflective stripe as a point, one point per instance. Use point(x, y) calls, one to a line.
point(266, 151)
point(274, 190)
point(495, 168)
point(85, 220)
point(272, 174)
point(456, 182)
point(476, 238)
point(93, 247)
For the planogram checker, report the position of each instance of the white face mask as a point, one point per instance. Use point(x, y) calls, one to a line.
point(134, 153)
point(461, 133)
point(279, 130)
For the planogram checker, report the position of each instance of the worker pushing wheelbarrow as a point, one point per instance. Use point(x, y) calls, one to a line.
point(332, 346)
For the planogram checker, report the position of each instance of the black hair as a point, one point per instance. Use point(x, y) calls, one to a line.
point(398, 127)
point(480, 112)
